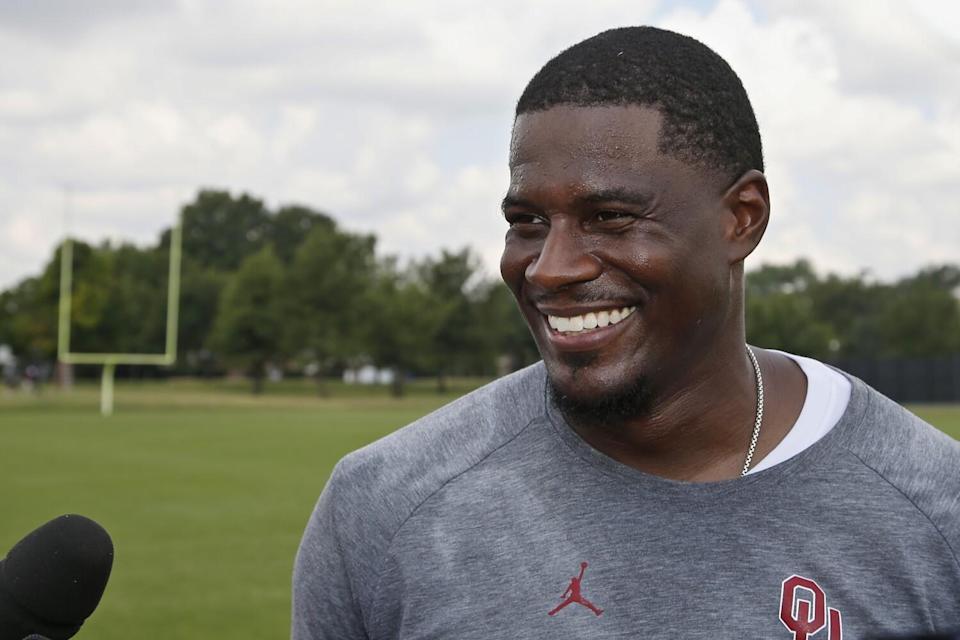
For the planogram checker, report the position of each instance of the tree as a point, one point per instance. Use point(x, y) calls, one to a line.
point(780, 310)
point(28, 317)
point(790, 278)
point(324, 296)
point(921, 315)
point(851, 305)
point(200, 292)
point(500, 322)
point(29, 311)
point(220, 231)
point(127, 286)
point(790, 308)
point(451, 284)
point(399, 328)
point(787, 321)
point(291, 225)
point(249, 324)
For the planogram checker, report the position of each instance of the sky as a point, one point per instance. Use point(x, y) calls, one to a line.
point(395, 118)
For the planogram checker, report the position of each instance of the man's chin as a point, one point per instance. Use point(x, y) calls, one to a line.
point(598, 404)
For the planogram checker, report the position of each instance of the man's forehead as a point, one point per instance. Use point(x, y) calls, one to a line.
point(600, 148)
point(565, 133)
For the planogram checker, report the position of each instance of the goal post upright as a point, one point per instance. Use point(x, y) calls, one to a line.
point(111, 360)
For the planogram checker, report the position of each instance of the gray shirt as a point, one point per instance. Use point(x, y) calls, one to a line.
point(491, 518)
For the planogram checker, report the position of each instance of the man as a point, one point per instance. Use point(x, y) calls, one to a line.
point(716, 491)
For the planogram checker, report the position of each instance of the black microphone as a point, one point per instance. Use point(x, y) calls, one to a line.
point(53, 579)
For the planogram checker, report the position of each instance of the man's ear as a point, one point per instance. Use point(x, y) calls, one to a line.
point(747, 205)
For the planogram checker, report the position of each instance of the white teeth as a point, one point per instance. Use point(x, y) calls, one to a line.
point(588, 321)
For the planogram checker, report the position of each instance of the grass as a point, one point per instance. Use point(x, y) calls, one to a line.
point(205, 493)
point(204, 488)
point(944, 416)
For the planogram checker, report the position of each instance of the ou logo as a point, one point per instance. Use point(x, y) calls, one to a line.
point(803, 609)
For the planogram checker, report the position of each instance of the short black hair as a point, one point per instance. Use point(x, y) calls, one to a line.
point(707, 117)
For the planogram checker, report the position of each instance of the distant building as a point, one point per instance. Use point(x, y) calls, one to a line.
point(368, 374)
point(8, 365)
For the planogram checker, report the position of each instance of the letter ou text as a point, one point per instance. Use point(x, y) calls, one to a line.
point(804, 611)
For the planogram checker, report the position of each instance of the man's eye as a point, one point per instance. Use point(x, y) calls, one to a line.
point(608, 216)
point(524, 218)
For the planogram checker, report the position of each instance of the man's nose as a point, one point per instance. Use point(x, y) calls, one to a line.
point(564, 259)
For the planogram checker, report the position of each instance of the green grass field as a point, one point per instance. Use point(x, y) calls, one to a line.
point(204, 489)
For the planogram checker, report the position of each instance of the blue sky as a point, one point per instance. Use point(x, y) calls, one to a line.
point(395, 117)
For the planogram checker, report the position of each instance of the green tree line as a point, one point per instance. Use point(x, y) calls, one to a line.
point(291, 289)
point(830, 317)
point(286, 288)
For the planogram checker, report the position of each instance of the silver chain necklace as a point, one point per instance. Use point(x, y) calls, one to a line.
point(759, 418)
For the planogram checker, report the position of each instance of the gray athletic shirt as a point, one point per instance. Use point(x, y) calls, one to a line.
point(491, 518)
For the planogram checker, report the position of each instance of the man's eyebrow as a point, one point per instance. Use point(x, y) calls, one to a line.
point(616, 194)
point(514, 201)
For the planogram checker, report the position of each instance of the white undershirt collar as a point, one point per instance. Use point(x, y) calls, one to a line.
point(828, 393)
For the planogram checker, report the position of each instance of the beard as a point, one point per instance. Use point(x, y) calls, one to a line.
point(610, 409)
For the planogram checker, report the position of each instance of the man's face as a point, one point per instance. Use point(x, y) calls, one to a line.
point(615, 251)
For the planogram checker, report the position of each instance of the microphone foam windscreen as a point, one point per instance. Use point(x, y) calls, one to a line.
point(57, 573)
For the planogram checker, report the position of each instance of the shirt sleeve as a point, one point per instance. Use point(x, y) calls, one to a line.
point(324, 601)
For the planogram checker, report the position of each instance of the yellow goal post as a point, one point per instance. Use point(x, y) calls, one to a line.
point(111, 360)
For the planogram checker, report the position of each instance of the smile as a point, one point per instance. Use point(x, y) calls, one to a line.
point(588, 321)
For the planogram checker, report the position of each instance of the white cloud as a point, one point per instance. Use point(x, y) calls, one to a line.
point(394, 117)
point(870, 172)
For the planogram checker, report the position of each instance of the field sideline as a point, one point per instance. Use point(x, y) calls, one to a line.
point(204, 488)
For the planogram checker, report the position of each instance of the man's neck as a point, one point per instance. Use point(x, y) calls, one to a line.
point(698, 428)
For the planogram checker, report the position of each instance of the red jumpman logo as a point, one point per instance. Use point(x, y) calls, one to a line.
point(573, 591)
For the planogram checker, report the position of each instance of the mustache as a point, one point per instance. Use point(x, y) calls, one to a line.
point(584, 296)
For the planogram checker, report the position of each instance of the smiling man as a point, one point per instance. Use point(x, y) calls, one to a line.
point(714, 490)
